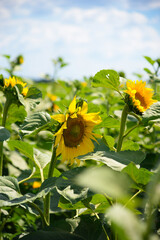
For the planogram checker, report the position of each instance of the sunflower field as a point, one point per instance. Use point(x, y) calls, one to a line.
point(80, 160)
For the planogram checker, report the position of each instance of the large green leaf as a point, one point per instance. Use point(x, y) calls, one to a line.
point(66, 186)
point(140, 176)
point(23, 147)
point(4, 134)
point(49, 235)
point(152, 114)
point(34, 93)
point(9, 188)
point(106, 78)
point(116, 160)
point(104, 180)
point(16, 114)
point(40, 159)
point(35, 121)
point(125, 223)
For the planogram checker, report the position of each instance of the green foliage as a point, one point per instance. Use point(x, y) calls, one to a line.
point(140, 176)
point(32, 123)
point(152, 114)
point(107, 79)
point(101, 198)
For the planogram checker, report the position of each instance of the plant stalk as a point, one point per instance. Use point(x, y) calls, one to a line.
point(50, 174)
point(122, 127)
point(5, 112)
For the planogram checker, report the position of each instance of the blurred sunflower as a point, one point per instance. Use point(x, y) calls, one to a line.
point(12, 81)
point(75, 136)
point(36, 184)
point(140, 96)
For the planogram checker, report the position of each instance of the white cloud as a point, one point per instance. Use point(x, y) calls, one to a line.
point(90, 39)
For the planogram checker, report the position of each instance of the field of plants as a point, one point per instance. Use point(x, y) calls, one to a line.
point(80, 160)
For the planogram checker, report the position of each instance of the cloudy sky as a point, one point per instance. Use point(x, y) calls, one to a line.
point(89, 34)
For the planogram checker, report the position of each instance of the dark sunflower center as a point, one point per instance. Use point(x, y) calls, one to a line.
point(74, 132)
point(139, 97)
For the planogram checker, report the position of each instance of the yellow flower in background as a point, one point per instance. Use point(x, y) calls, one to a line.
point(55, 107)
point(51, 97)
point(75, 136)
point(84, 84)
point(12, 81)
point(140, 95)
point(21, 60)
point(36, 184)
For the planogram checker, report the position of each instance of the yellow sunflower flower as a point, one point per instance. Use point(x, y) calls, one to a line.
point(12, 81)
point(140, 95)
point(75, 136)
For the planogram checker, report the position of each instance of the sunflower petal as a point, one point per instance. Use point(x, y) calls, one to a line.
point(72, 106)
point(59, 117)
point(84, 108)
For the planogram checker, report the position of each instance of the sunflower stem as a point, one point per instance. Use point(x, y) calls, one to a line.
point(5, 112)
point(44, 222)
point(50, 174)
point(122, 127)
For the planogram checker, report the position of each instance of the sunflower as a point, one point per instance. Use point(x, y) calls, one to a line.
point(140, 96)
point(12, 81)
point(75, 135)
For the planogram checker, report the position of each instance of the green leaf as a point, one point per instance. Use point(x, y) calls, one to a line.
point(124, 222)
point(116, 160)
point(34, 93)
point(147, 70)
point(150, 60)
point(41, 159)
point(151, 114)
point(107, 78)
point(35, 121)
point(48, 235)
point(23, 147)
point(9, 188)
point(18, 89)
point(130, 145)
point(139, 176)
point(64, 185)
point(104, 180)
point(67, 187)
point(109, 141)
point(16, 114)
point(108, 122)
point(4, 134)
point(6, 56)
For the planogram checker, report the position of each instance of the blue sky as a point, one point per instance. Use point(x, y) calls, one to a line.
point(89, 34)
